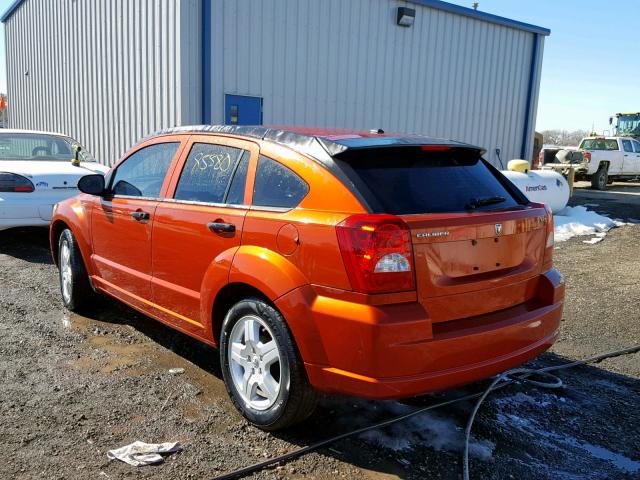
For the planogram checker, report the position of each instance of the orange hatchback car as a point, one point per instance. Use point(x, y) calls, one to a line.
point(368, 264)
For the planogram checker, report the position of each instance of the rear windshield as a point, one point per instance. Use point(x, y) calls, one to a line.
point(404, 181)
point(599, 144)
point(35, 146)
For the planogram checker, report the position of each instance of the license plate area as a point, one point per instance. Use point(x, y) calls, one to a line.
point(478, 256)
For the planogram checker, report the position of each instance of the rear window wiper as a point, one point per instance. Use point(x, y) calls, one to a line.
point(481, 202)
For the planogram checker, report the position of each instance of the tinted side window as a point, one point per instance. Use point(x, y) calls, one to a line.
point(636, 146)
point(277, 186)
point(207, 172)
point(142, 174)
point(627, 145)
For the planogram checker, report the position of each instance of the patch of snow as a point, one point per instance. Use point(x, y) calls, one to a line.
point(555, 440)
point(574, 221)
point(523, 398)
point(593, 240)
point(437, 432)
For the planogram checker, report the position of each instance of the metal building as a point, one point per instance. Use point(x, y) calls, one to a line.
point(109, 72)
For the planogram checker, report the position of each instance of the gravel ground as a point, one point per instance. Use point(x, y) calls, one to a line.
point(74, 387)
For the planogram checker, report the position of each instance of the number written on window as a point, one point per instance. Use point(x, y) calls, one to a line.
point(277, 186)
point(208, 171)
point(143, 173)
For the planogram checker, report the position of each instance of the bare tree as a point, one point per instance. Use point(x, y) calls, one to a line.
point(563, 138)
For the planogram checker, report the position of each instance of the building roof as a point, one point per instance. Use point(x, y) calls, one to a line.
point(478, 15)
point(12, 8)
point(437, 4)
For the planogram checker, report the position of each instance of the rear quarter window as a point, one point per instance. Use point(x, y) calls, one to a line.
point(277, 186)
point(405, 181)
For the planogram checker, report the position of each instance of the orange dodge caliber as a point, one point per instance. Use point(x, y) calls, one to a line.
point(368, 264)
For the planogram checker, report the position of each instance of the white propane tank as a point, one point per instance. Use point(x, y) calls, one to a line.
point(542, 186)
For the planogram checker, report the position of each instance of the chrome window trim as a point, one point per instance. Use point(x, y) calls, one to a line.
point(272, 209)
point(205, 204)
point(111, 197)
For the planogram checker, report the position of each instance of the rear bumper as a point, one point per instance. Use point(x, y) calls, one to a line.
point(395, 351)
point(6, 223)
point(30, 211)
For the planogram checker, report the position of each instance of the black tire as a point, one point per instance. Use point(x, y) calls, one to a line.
point(600, 178)
point(296, 399)
point(80, 295)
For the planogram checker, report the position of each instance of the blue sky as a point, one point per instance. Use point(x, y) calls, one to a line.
point(591, 66)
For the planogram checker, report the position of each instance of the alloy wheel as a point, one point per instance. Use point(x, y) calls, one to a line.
point(255, 362)
point(66, 275)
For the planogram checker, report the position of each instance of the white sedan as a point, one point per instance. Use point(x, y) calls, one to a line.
point(38, 170)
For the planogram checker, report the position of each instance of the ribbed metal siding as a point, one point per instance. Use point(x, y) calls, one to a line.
point(347, 64)
point(105, 72)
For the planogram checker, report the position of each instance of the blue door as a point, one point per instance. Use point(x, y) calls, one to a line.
point(242, 110)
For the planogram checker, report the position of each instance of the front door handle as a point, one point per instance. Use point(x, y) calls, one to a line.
point(140, 215)
point(219, 227)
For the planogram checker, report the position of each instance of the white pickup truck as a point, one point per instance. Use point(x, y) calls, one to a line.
point(602, 160)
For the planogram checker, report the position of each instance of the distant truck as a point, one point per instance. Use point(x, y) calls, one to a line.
point(626, 124)
point(600, 160)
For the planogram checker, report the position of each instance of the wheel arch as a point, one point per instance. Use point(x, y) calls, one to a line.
point(227, 297)
point(57, 227)
point(61, 222)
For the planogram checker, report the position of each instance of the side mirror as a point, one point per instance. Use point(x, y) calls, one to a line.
point(76, 154)
point(92, 184)
point(610, 120)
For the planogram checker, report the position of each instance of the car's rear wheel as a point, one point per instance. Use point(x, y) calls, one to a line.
point(76, 291)
point(262, 370)
point(599, 179)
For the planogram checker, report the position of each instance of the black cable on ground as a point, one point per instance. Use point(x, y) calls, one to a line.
point(501, 381)
point(523, 374)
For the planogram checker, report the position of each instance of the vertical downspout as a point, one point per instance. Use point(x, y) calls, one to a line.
point(206, 61)
point(529, 108)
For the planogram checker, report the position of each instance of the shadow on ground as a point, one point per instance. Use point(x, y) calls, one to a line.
point(28, 244)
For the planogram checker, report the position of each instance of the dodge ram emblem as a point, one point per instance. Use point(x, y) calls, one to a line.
point(498, 228)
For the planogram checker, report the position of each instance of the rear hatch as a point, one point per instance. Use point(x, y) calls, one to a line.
point(478, 244)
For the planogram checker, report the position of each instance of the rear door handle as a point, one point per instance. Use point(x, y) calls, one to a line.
point(219, 227)
point(140, 215)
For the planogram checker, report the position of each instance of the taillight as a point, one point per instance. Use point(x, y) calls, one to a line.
point(12, 182)
point(376, 250)
point(548, 249)
point(587, 156)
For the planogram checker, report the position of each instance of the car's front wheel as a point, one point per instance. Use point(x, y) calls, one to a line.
point(76, 291)
point(262, 370)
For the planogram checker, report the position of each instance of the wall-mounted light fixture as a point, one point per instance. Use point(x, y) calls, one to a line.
point(406, 16)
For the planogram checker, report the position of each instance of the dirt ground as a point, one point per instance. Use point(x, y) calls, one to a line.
point(74, 387)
